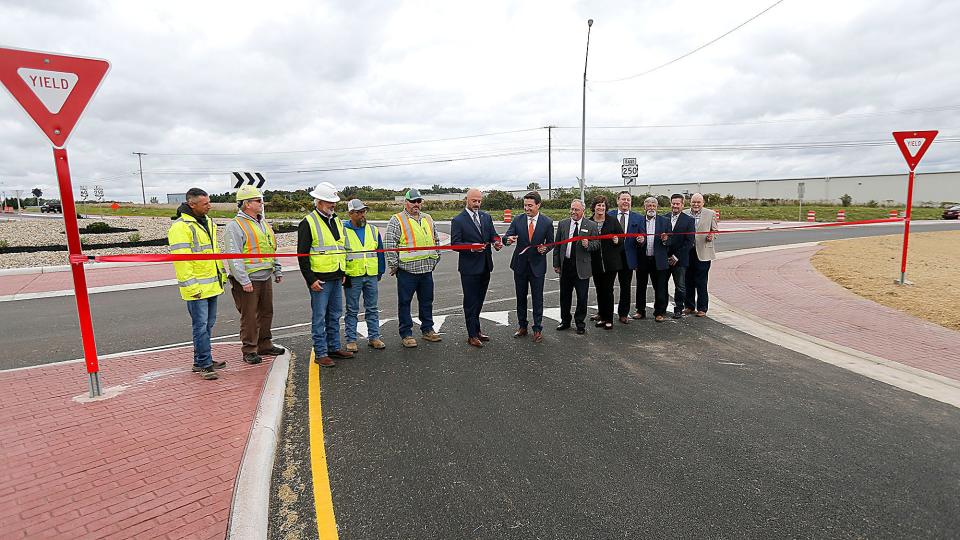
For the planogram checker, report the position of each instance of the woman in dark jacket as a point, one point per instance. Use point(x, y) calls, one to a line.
point(606, 261)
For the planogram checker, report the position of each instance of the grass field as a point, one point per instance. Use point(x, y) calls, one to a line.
point(727, 213)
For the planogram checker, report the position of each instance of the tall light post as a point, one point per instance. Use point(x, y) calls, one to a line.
point(142, 190)
point(583, 122)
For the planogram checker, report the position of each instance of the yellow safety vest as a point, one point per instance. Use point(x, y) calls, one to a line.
point(258, 242)
point(413, 234)
point(361, 264)
point(326, 253)
point(193, 277)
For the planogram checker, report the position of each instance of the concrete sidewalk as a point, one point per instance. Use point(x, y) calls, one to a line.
point(783, 287)
point(159, 459)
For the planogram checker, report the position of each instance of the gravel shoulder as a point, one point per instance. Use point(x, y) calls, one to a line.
point(868, 266)
point(52, 232)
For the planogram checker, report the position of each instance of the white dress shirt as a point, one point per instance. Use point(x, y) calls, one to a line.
point(574, 228)
point(651, 230)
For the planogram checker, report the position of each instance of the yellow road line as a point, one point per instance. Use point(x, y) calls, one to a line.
point(322, 498)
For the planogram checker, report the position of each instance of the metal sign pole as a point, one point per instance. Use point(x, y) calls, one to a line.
point(906, 232)
point(76, 268)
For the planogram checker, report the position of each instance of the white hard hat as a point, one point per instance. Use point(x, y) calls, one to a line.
point(325, 191)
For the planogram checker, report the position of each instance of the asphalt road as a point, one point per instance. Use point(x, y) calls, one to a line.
point(41, 331)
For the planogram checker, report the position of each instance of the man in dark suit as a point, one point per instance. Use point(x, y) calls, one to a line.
point(473, 226)
point(574, 264)
point(631, 222)
point(682, 228)
point(529, 263)
point(653, 262)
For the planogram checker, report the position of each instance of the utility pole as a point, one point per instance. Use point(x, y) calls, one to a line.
point(550, 161)
point(140, 160)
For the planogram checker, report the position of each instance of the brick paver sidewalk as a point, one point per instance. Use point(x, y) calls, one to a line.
point(782, 286)
point(96, 277)
point(158, 460)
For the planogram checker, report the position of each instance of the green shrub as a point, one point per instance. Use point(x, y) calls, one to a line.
point(846, 199)
point(97, 227)
point(135, 237)
point(872, 204)
point(4, 244)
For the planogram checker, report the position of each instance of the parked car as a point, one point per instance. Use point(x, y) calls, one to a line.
point(52, 207)
point(952, 213)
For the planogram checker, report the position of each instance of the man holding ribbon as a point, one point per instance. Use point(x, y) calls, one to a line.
point(573, 261)
point(201, 282)
point(474, 226)
point(365, 267)
point(251, 280)
point(530, 232)
point(412, 228)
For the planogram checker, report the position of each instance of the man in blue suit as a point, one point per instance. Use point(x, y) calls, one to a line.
point(653, 262)
point(473, 226)
point(682, 228)
point(631, 223)
point(529, 263)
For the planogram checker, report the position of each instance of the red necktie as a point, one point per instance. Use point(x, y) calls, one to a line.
point(530, 229)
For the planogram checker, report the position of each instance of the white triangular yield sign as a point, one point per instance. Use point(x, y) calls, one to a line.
point(52, 88)
point(914, 144)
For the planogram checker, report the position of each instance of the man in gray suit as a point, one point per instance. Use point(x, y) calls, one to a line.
point(701, 253)
point(572, 261)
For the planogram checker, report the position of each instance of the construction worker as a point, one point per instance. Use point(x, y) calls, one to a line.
point(321, 235)
point(201, 282)
point(364, 270)
point(413, 269)
point(251, 280)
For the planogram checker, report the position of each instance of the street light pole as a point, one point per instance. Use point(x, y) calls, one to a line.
point(140, 160)
point(583, 123)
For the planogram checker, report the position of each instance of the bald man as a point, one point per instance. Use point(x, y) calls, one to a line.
point(474, 226)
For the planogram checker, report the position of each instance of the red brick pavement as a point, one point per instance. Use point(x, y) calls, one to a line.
point(157, 461)
point(782, 286)
point(96, 277)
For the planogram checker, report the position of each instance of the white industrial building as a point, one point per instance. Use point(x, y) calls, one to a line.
point(930, 189)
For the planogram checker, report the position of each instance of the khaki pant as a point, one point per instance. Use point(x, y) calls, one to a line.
point(256, 315)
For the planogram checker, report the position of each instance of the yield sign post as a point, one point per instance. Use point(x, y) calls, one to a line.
point(54, 90)
point(912, 144)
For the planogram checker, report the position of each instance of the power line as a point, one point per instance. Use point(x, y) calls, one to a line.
point(700, 48)
point(492, 134)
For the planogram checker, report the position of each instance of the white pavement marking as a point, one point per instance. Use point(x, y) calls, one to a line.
point(437, 322)
point(249, 515)
point(500, 317)
point(362, 326)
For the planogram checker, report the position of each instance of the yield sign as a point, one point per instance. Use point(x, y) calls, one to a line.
point(913, 144)
point(53, 89)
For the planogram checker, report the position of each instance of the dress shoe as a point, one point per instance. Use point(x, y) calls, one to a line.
point(520, 332)
point(639, 315)
point(595, 317)
point(624, 319)
point(701, 314)
point(563, 326)
point(273, 351)
point(607, 326)
point(483, 337)
point(341, 354)
point(687, 311)
point(677, 315)
point(599, 323)
point(659, 318)
point(432, 336)
point(538, 337)
point(475, 342)
point(581, 331)
point(325, 361)
point(252, 358)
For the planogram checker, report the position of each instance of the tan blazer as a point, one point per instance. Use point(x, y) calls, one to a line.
point(706, 251)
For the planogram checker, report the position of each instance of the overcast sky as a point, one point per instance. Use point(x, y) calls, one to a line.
point(205, 88)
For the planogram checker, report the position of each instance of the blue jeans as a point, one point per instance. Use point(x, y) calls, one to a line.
point(203, 314)
point(325, 314)
point(368, 286)
point(407, 284)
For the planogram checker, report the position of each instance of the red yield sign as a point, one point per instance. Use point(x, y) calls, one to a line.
point(53, 89)
point(913, 144)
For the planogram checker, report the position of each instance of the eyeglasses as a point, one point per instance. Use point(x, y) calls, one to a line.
point(256, 200)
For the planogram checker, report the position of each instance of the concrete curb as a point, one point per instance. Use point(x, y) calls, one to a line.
point(249, 510)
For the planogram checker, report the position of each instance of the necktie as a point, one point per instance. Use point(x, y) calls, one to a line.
point(530, 230)
point(476, 221)
point(623, 221)
point(574, 227)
